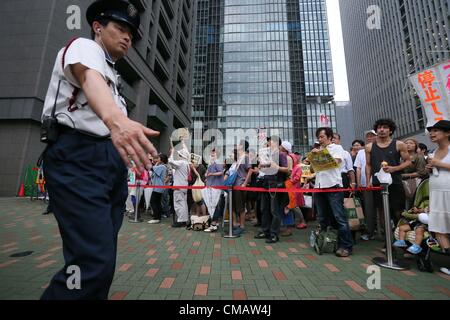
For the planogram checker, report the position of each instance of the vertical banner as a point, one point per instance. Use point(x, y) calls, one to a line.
point(433, 87)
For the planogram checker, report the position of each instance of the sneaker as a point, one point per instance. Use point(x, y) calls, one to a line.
point(154, 221)
point(273, 239)
point(212, 228)
point(400, 244)
point(366, 237)
point(262, 235)
point(445, 271)
point(414, 249)
point(301, 226)
point(342, 253)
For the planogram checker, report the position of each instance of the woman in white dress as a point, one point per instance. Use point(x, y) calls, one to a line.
point(439, 165)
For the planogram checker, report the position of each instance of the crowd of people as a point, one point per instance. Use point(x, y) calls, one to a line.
point(278, 214)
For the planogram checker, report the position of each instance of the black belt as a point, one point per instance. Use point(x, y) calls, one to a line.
point(69, 130)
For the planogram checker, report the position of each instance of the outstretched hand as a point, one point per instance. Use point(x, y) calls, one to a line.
point(130, 139)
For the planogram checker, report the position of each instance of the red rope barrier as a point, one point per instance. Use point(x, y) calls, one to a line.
point(274, 190)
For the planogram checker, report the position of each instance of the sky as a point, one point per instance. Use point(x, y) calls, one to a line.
point(337, 51)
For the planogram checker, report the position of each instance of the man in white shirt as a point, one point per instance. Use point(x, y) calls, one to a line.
point(367, 197)
point(347, 171)
point(90, 139)
point(330, 205)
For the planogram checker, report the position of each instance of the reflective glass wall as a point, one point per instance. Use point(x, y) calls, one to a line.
point(250, 69)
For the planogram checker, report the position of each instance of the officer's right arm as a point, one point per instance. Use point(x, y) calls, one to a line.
point(129, 137)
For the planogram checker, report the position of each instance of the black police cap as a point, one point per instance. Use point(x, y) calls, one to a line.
point(117, 10)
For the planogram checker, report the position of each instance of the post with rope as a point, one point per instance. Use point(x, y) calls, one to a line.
point(230, 216)
point(136, 207)
point(388, 261)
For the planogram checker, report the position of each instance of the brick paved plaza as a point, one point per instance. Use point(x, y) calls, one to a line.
point(160, 262)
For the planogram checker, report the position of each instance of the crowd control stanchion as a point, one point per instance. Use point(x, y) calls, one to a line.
point(388, 262)
point(230, 216)
point(136, 207)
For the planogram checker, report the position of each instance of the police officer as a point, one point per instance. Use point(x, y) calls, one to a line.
point(85, 165)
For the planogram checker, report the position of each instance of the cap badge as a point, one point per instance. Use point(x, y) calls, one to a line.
point(132, 11)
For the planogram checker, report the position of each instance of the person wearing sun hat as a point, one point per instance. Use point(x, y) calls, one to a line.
point(90, 141)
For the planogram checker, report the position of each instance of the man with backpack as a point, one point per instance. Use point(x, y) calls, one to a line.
point(330, 205)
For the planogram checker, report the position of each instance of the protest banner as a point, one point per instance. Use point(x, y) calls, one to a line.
point(433, 87)
point(196, 159)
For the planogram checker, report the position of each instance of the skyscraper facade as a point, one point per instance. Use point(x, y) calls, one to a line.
point(263, 64)
point(318, 70)
point(385, 42)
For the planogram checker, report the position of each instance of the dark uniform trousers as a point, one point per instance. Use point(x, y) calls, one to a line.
point(87, 184)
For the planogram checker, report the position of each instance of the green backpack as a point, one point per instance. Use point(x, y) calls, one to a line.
point(326, 241)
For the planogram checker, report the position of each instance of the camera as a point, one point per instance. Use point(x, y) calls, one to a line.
point(49, 130)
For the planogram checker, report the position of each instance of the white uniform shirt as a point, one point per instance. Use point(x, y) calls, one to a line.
point(347, 163)
point(360, 162)
point(332, 177)
point(90, 54)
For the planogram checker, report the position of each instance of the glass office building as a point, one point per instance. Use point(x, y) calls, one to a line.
point(263, 64)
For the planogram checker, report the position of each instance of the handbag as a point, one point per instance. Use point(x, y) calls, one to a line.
point(200, 223)
point(230, 181)
point(354, 212)
point(292, 196)
point(197, 193)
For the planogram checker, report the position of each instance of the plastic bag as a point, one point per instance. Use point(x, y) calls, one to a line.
point(384, 177)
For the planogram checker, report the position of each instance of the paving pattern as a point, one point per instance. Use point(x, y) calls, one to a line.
point(157, 262)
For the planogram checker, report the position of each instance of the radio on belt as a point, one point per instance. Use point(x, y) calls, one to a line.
point(49, 128)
